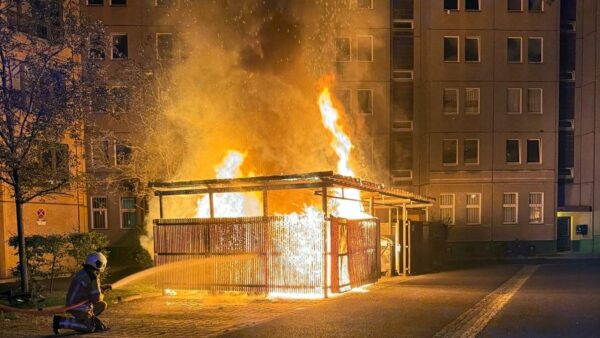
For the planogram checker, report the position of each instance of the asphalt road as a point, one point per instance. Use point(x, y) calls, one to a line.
point(559, 300)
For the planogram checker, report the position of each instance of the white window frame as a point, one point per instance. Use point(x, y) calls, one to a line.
point(541, 38)
point(473, 10)
point(452, 10)
point(478, 151)
point(451, 207)
point(520, 90)
point(478, 38)
point(515, 206)
point(92, 225)
point(112, 45)
point(370, 6)
point(534, 10)
point(514, 10)
point(349, 48)
point(478, 90)
point(156, 45)
point(473, 206)
point(541, 90)
point(539, 140)
point(456, 152)
point(122, 210)
point(520, 151)
point(358, 37)
point(541, 206)
point(457, 101)
point(371, 96)
point(520, 38)
point(457, 38)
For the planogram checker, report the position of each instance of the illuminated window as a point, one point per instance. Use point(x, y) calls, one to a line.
point(473, 208)
point(99, 213)
point(365, 101)
point(128, 213)
point(451, 5)
point(472, 103)
point(535, 50)
point(120, 49)
point(534, 151)
point(471, 151)
point(515, 5)
point(164, 46)
point(342, 49)
point(472, 49)
point(364, 48)
point(451, 48)
point(510, 207)
point(513, 151)
point(447, 208)
point(450, 101)
point(536, 5)
point(513, 100)
point(534, 100)
point(449, 152)
point(536, 208)
point(513, 49)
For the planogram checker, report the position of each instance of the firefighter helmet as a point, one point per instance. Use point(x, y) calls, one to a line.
point(97, 261)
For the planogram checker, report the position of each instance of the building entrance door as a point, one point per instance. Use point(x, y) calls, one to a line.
point(563, 234)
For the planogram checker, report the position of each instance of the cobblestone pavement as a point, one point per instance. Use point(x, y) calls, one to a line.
point(188, 316)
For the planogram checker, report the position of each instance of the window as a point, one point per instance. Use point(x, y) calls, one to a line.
point(472, 5)
point(472, 49)
point(515, 5)
point(536, 208)
point(513, 151)
point(513, 49)
point(99, 213)
point(450, 104)
point(473, 208)
point(121, 99)
point(96, 53)
point(472, 105)
point(534, 100)
point(100, 153)
point(535, 52)
point(364, 48)
point(449, 150)
point(118, 2)
point(451, 48)
point(123, 154)
point(513, 100)
point(342, 49)
point(471, 151)
point(534, 154)
point(364, 4)
point(451, 5)
point(344, 95)
point(119, 46)
point(536, 5)
point(365, 101)
point(447, 208)
point(95, 2)
point(510, 207)
point(164, 46)
point(128, 213)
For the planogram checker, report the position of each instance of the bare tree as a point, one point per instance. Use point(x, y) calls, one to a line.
point(45, 92)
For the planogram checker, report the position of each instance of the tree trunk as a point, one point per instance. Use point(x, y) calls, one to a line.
point(21, 236)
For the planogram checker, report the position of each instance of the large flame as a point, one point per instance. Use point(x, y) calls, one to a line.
point(230, 204)
point(349, 206)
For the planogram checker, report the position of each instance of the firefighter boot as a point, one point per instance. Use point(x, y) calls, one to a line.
point(56, 324)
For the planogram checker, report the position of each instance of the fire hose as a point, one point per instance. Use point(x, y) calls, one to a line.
point(40, 312)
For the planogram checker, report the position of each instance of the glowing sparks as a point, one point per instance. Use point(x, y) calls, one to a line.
point(350, 206)
point(229, 204)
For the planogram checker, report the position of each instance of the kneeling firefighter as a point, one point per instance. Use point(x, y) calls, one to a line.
point(86, 289)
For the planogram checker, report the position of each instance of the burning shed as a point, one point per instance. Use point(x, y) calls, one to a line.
point(322, 250)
